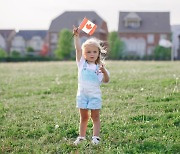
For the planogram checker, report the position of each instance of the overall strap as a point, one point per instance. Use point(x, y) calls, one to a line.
point(85, 64)
point(97, 69)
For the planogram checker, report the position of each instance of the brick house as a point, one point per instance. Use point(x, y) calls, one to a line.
point(6, 37)
point(142, 31)
point(70, 18)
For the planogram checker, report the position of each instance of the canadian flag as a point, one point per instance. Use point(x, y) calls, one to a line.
point(87, 26)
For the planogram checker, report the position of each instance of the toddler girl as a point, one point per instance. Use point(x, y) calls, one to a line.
point(91, 73)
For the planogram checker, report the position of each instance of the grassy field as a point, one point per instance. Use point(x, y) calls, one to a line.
point(140, 111)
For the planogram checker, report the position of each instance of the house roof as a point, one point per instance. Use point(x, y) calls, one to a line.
point(70, 18)
point(28, 34)
point(151, 22)
point(6, 33)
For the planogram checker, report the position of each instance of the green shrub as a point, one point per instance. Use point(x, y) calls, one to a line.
point(161, 53)
point(3, 53)
point(15, 54)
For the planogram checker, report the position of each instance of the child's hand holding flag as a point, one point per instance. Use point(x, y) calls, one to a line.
point(75, 31)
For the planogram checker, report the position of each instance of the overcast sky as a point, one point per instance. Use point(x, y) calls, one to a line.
point(37, 14)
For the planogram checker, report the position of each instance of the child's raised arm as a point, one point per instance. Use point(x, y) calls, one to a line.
point(77, 43)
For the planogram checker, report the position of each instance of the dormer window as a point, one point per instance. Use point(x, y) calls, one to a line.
point(132, 20)
point(133, 24)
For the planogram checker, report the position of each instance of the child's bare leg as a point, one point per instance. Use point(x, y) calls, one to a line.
point(83, 121)
point(96, 122)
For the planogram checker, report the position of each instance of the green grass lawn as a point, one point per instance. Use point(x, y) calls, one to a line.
point(140, 111)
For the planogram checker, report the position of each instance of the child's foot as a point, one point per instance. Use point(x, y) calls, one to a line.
point(79, 140)
point(95, 140)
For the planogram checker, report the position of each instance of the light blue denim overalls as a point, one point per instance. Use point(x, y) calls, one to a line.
point(89, 93)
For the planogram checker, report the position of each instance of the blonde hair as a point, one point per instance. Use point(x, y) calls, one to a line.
point(101, 46)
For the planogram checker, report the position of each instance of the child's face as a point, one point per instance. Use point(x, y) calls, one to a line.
point(91, 53)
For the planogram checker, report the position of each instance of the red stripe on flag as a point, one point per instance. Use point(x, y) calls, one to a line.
point(92, 30)
point(83, 23)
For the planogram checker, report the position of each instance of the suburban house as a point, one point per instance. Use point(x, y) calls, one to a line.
point(29, 38)
point(142, 31)
point(6, 37)
point(176, 41)
point(70, 18)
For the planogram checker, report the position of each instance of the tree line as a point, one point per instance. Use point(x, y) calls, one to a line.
point(65, 49)
point(116, 47)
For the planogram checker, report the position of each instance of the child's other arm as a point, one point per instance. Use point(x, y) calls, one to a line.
point(105, 74)
point(105, 77)
point(77, 44)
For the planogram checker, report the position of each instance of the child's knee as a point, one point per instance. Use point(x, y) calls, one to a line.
point(84, 117)
point(95, 117)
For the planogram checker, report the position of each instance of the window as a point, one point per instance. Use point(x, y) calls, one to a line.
point(2, 42)
point(132, 45)
point(36, 42)
point(53, 47)
point(150, 38)
point(150, 50)
point(54, 38)
point(133, 24)
point(141, 46)
point(163, 37)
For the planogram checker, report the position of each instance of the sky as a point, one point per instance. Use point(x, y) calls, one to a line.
point(38, 14)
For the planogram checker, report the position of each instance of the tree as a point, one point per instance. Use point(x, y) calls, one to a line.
point(161, 53)
point(30, 49)
point(64, 45)
point(3, 53)
point(15, 54)
point(116, 46)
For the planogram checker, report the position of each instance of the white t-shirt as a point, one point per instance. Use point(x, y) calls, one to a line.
point(89, 66)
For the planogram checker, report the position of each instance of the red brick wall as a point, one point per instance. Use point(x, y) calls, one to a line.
point(144, 35)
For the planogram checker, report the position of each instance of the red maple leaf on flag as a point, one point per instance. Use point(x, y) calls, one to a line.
point(88, 26)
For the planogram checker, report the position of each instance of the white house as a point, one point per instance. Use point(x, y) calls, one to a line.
point(29, 38)
point(176, 41)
